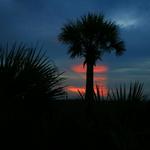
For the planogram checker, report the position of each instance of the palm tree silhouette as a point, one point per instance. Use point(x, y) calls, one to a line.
point(27, 76)
point(90, 37)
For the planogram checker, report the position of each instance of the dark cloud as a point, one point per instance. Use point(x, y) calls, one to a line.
point(40, 20)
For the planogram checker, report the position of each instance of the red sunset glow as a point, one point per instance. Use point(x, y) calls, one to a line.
point(102, 89)
point(97, 69)
point(99, 80)
point(75, 89)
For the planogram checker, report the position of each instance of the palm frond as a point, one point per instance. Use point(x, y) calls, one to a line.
point(27, 75)
point(81, 95)
point(134, 93)
point(92, 35)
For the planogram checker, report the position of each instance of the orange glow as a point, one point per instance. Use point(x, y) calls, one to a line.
point(98, 80)
point(75, 89)
point(97, 69)
point(102, 89)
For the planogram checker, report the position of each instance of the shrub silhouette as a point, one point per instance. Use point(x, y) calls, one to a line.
point(27, 76)
point(133, 93)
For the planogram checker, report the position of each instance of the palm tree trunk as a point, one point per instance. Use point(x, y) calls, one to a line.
point(89, 94)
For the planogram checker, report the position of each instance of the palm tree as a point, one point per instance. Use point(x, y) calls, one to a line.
point(27, 76)
point(90, 37)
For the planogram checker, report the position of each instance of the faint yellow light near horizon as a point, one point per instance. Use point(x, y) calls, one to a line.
point(126, 23)
point(126, 20)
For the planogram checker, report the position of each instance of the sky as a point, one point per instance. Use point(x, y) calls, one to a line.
point(32, 21)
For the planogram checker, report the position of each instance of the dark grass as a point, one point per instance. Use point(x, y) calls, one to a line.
point(67, 124)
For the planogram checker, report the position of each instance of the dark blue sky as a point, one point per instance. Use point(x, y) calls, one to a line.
point(30, 21)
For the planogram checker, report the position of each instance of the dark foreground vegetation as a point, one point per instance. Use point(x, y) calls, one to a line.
point(65, 124)
point(32, 116)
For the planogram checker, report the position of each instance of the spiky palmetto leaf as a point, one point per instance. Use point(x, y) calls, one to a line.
point(81, 95)
point(134, 93)
point(99, 95)
point(27, 76)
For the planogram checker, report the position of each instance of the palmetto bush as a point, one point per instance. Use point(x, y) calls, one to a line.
point(132, 93)
point(27, 76)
